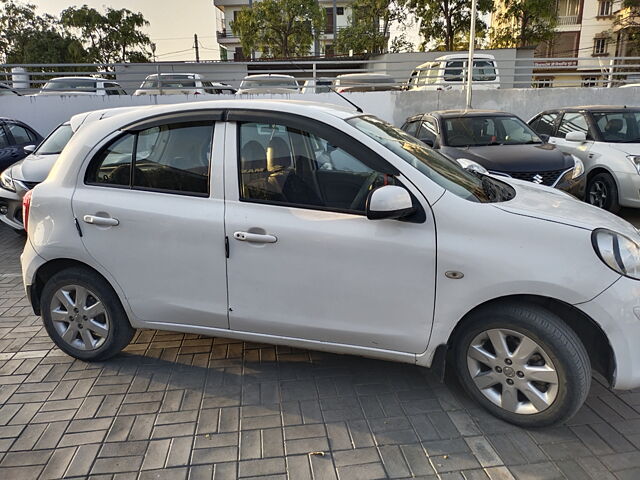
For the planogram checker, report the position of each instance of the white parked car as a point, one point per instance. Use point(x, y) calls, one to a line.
point(318, 227)
point(81, 86)
point(607, 140)
point(182, 84)
point(449, 73)
point(270, 83)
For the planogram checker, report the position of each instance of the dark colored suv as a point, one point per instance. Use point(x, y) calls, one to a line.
point(15, 136)
point(500, 143)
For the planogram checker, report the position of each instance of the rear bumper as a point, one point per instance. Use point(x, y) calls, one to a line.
point(31, 262)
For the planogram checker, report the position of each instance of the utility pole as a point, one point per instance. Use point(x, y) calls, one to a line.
point(197, 47)
point(472, 46)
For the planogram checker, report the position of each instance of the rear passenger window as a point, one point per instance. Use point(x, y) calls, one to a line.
point(170, 158)
point(112, 166)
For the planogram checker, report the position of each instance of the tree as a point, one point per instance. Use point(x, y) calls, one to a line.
point(523, 23)
point(370, 25)
point(628, 24)
point(26, 37)
point(114, 37)
point(279, 28)
point(444, 21)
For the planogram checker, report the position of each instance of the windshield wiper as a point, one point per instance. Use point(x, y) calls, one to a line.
point(633, 140)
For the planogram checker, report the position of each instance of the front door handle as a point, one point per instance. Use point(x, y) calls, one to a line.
point(102, 221)
point(255, 237)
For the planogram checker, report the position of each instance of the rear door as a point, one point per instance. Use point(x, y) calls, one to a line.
point(151, 211)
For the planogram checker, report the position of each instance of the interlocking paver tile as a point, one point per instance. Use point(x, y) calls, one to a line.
point(190, 407)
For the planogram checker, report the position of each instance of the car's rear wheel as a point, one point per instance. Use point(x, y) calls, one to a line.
point(83, 315)
point(523, 364)
point(602, 192)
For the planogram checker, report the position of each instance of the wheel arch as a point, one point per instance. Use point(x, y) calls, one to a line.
point(588, 331)
point(602, 169)
point(48, 270)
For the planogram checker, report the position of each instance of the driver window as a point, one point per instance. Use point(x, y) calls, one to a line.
point(287, 166)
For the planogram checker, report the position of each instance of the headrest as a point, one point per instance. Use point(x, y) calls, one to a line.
point(278, 155)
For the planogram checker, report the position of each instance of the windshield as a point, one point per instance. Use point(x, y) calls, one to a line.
point(267, 82)
point(170, 82)
point(479, 131)
point(71, 84)
point(438, 168)
point(56, 141)
point(618, 127)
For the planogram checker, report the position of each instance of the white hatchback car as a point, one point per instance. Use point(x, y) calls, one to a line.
point(318, 227)
point(607, 140)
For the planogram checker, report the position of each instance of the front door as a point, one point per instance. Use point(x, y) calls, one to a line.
point(151, 212)
point(573, 122)
point(304, 260)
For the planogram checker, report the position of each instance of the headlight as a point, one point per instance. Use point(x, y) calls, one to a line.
point(6, 181)
point(635, 159)
point(578, 167)
point(618, 252)
point(471, 166)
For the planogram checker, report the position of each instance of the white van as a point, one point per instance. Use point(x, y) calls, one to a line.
point(449, 73)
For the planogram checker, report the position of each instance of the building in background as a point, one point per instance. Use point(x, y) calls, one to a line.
point(337, 15)
point(588, 36)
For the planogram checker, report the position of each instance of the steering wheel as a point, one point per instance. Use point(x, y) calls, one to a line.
point(364, 191)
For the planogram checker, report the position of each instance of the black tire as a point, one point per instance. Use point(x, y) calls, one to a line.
point(120, 331)
point(603, 184)
point(561, 344)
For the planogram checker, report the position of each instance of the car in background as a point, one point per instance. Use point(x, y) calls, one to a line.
point(7, 90)
point(17, 140)
point(317, 85)
point(395, 253)
point(607, 140)
point(81, 86)
point(269, 83)
point(498, 143)
point(365, 82)
point(182, 84)
point(26, 174)
point(630, 85)
point(449, 73)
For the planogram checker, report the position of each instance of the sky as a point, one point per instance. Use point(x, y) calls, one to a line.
point(172, 23)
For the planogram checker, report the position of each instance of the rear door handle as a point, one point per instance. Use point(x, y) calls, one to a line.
point(102, 221)
point(255, 237)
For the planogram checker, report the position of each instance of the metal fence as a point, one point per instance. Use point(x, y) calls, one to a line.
point(403, 73)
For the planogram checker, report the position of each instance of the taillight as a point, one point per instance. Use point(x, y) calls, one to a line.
point(26, 205)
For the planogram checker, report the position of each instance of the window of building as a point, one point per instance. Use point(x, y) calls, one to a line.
point(605, 8)
point(599, 46)
point(590, 81)
point(542, 82)
point(339, 10)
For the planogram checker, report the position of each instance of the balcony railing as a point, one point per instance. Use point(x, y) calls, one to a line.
point(567, 20)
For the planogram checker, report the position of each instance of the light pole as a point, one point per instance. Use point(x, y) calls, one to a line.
point(472, 44)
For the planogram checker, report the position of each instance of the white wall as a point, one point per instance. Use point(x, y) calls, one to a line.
point(44, 113)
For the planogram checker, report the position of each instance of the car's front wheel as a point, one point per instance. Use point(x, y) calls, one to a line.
point(83, 315)
point(602, 192)
point(523, 364)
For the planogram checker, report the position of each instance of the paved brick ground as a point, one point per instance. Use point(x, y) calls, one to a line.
point(183, 406)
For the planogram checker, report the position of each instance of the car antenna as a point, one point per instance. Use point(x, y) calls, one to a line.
point(358, 109)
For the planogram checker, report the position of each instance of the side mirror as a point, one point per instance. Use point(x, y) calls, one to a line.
point(389, 201)
point(576, 137)
point(29, 148)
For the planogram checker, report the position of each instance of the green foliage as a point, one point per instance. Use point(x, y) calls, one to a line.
point(369, 26)
point(81, 35)
point(524, 23)
point(446, 22)
point(110, 38)
point(279, 28)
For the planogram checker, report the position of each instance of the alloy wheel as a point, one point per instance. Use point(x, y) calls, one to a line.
point(80, 317)
point(598, 194)
point(512, 371)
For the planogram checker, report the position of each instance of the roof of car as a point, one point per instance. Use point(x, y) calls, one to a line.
point(79, 78)
point(593, 108)
point(364, 75)
point(465, 113)
point(269, 75)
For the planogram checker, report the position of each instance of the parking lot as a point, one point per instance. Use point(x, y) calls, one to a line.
point(184, 406)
